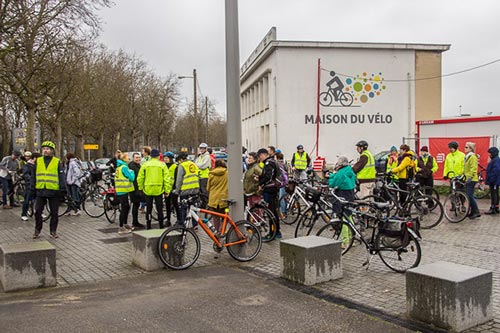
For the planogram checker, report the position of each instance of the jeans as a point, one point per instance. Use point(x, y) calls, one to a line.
point(74, 191)
point(26, 203)
point(7, 187)
point(469, 190)
point(282, 202)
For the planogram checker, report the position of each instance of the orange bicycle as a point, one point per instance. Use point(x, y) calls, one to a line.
point(179, 246)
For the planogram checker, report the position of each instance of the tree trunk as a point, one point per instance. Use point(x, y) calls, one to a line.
point(59, 148)
point(117, 141)
point(30, 128)
point(101, 145)
point(79, 147)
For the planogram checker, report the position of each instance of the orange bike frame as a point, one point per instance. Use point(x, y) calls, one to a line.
point(227, 219)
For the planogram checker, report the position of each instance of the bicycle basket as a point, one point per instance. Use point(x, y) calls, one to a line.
point(95, 175)
point(312, 194)
point(290, 187)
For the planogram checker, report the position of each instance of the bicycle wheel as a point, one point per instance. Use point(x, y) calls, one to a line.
point(179, 247)
point(306, 222)
point(325, 98)
point(20, 193)
point(111, 207)
point(481, 190)
point(252, 244)
point(428, 210)
point(292, 210)
point(456, 207)
point(93, 204)
point(399, 259)
point(429, 190)
point(339, 230)
point(346, 99)
point(264, 220)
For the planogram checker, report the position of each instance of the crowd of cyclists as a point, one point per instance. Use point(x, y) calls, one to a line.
point(164, 180)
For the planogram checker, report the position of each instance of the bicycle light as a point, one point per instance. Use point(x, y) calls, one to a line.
point(409, 224)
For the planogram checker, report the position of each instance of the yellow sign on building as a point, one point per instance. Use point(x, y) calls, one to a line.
point(91, 147)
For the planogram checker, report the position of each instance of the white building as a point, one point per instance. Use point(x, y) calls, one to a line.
point(385, 89)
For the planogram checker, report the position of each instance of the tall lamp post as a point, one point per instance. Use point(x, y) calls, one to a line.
point(195, 136)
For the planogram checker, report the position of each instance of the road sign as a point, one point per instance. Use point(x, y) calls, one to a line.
point(91, 147)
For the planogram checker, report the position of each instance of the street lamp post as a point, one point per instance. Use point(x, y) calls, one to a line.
point(195, 136)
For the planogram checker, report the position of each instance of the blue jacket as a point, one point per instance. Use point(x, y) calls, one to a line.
point(343, 179)
point(126, 172)
point(493, 168)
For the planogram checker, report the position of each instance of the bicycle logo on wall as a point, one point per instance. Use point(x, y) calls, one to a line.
point(354, 90)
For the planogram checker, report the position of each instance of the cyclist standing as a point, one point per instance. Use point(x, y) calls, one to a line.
point(137, 196)
point(124, 184)
point(426, 167)
point(28, 172)
point(187, 184)
point(73, 179)
point(471, 177)
point(454, 162)
point(267, 182)
point(365, 169)
point(9, 166)
point(300, 162)
point(493, 179)
point(49, 184)
point(171, 200)
point(203, 163)
point(405, 171)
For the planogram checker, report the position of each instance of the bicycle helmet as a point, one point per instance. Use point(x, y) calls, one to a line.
point(453, 144)
point(363, 144)
point(49, 144)
point(181, 156)
point(168, 154)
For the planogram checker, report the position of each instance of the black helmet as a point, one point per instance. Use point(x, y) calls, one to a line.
point(181, 156)
point(363, 144)
point(453, 144)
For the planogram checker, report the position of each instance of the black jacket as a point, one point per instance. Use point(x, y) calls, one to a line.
point(269, 173)
point(135, 196)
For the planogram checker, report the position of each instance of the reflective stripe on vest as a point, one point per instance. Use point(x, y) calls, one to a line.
point(368, 172)
point(47, 178)
point(122, 183)
point(191, 179)
point(300, 162)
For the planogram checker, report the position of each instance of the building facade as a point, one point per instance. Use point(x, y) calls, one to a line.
point(328, 95)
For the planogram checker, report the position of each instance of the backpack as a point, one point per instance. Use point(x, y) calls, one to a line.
point(282, 178)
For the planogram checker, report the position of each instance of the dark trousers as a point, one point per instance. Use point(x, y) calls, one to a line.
point(203, 193)
point(7, 187)
point(469, 190)
point(26, 203)
point(272, 199)
point(135, 213)
point(54, 208)
point(427, 181)
point(158, 199)
point(171, 201)
point(124, 208)
point(402, 185)
point(494, 196)
point(74, 191)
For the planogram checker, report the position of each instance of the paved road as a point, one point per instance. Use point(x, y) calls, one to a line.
point(208, 299)
point(90, 250)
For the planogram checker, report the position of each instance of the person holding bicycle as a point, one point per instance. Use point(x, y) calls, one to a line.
point(136, 197)
point(124, 184)
point(74, 180)
point(471, 177)
point(300, 162)
point(171, 200)
point(405, 171)
point(217, 188)
point(454, 162)
point(251, 180)
point(187, 184)
point(8, 167)
point(493, 179)
point(28, 172)
point(267, 182)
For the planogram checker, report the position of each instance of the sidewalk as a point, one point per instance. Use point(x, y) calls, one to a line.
point(90, 250)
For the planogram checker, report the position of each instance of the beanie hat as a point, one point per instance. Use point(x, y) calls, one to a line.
point(155, 152)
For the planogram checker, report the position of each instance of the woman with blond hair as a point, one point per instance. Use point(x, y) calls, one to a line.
point(124, 184)
point(471, 177)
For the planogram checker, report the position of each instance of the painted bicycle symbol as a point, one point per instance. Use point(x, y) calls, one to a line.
point(335, 92)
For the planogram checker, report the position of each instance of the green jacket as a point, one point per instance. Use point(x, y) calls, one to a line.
point(154, 178)
point(250, 185)
point(470, 170)
point(343, 179)
point(454, 164)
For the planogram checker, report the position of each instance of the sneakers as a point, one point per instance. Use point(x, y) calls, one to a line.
point(24, 218)
point(270, 237)
point(278, 235)
point(36, 235)
point(54, 235)
point(14, 205)
point(126, 226)
point(474, 216)
point(123, 230)
point(68, 213)
point(6, 207)
point(138, 226)
point(492, 211)
point(77, 213)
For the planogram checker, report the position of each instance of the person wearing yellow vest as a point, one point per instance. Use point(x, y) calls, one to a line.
point(203, 163)
point(124, 185)
point(300, 162)
point(171, 200)
point(471, 177)
point(154, 180)
point(364, 169)
point(137, 196)
point(454, 162)
point(49, 182)
point(405, 171)
point(187, 184)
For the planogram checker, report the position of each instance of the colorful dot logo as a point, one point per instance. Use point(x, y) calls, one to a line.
point(365, 86)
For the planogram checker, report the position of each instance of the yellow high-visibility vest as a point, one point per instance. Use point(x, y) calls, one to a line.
point(47, 177)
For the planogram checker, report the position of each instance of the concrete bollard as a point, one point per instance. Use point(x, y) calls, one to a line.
point(27, 265)
point(448, 295)
point(310, 260)
point(145, 253)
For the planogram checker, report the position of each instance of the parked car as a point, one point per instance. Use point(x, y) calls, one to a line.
point(219, 155)
point(100, 163)
point(381, 161)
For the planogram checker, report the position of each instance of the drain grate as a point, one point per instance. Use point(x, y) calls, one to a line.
point(116, 240)
point(108, 230)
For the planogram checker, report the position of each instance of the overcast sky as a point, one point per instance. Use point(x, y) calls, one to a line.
point(175, 36)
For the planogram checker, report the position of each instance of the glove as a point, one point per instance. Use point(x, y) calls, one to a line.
point(389, 173)
point(445, 177)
